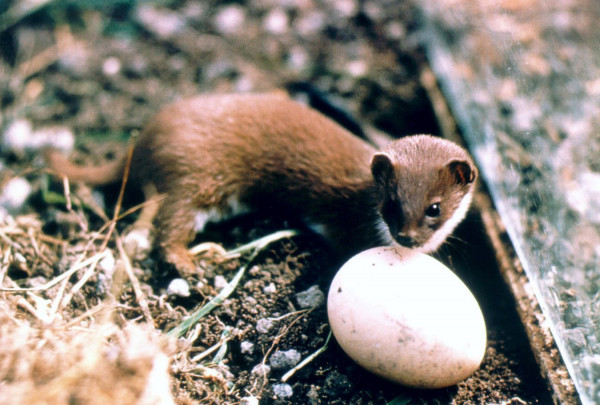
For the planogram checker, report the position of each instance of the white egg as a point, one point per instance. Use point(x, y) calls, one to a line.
point(406, 317)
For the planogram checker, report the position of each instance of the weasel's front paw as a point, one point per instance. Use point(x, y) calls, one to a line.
point(183, 262)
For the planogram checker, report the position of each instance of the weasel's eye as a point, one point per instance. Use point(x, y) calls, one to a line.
point(434, 210)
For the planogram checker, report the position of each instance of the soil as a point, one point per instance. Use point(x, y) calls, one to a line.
point(99, 72)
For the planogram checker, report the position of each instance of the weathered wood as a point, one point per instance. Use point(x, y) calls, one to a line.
point(522, 81)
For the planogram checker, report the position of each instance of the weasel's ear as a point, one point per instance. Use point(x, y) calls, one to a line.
point(461, 171)
point(382, 169)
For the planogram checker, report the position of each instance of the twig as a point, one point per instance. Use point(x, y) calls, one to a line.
point(82, 280)
point(69, 204)
point(282, 317)
point(92, 260)
point(225, 337)
point(18, 11)
point(307, 360)
point(67, 190)
point(282, 334)
point(9, 241)
point(137, 288)
point(5, 264)
point(87, 314)
point(58, 298)
point(113, 223)
point(220, 356)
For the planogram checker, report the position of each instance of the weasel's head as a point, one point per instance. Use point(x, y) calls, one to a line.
point(424, 186)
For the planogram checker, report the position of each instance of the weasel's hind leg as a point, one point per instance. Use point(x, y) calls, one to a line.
point(178, 220)
point(175, 229)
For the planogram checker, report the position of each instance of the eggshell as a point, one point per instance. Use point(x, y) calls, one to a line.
point(406, 317)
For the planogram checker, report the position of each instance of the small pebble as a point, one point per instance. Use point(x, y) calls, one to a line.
point(61, 138)
point(17, 135)
point(103, 284)
point(311, 298)
point(107, 264)
point(261, 369)
point(283, 359)
point(137, 243)
point(104, 278)
point(220, 282)
point(249, 401)
point(298, 58)
point(14, 194)
point(76, 58)
point(111, 66)
point(270, 289)
point(276, 22)
point(346, 8)
point(264, 325)
point(357, 68)
point(180, 287)
point(254, 271)
point(230, 20)
point(20, 137)
point(313, 396)
point(283, 390)
point(310, 23)
point(162, 23)
point(247, 347)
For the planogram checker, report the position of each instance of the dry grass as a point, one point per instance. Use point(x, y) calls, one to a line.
point(77, 326)
point(67, 364)
point(63, 344)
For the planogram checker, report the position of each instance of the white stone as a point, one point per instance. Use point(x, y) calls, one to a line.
point(17, 136)
point(230, 20)
point(138, 243)
point(111, 66)
point(14, 194)
point(270, 289)
point(247, 347)
point(107, 264)
point(261, 369)
point(249, 401)
point(311, 298)
point(264, 325)
point(220, 282)
point(180, 287)
point(277, 22)
point(283, 390)
point(21, 137)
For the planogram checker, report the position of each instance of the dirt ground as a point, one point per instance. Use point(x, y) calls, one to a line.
point(93, 73)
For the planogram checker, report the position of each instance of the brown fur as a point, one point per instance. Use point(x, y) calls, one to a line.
point(266, 151)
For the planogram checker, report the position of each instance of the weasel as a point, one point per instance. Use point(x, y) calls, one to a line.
point(215, 156)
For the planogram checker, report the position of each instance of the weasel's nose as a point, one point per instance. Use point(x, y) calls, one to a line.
point(406, 241)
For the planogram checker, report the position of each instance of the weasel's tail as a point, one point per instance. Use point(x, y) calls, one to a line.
point(92, 175)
